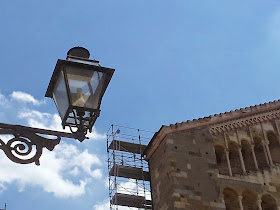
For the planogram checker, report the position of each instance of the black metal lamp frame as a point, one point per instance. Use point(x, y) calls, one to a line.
point(83, 124)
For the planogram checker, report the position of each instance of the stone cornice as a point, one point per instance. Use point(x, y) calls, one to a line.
point(220, 122)
point(245, 121)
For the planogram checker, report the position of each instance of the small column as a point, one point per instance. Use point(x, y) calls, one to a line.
point(265, 153)
point(277, 129)
point(225, 139)
point(241, 160)
point(253, 148)
point(268, 153)
point(266, 146)
point(222, 197)
point(228, 162)
point(259, 203)
point(251, 135)
point(254, 156)
point(240, 197)
point(237, 135)
point(240, 152)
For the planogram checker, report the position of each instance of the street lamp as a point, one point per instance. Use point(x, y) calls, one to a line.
point(77, 87)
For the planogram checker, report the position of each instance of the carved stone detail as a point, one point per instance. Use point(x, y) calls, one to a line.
point(244, 122)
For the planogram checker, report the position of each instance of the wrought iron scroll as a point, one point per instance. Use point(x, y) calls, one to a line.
point(27, 146)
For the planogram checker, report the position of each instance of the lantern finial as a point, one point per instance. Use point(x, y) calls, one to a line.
point(79, 52)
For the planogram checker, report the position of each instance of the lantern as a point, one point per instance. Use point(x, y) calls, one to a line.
point(77, 87)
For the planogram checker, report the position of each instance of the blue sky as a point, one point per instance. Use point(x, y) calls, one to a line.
point(174, 60)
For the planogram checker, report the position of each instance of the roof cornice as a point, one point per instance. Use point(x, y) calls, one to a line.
point(220, 122)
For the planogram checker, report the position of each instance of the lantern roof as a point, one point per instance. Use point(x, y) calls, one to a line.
point(78, 57)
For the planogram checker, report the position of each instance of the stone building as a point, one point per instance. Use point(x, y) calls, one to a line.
point(225, 161)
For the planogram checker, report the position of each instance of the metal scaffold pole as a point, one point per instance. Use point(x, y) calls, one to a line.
point(129, 178)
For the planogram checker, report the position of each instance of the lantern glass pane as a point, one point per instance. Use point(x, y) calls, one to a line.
point(60, 96)
point(86, 87)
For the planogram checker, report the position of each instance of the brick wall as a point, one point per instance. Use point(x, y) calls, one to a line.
point(183, 172)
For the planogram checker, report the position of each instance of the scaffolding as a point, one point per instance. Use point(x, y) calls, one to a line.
point(5, 207)
point(129, 177)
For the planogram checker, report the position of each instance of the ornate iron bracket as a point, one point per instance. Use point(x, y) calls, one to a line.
point(27, 146)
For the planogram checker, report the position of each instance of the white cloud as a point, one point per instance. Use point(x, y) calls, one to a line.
point(75, 171)
point(25, 97)
point(2, 187)
point(3, 99)
point(128, 187)
point(38, 119)
point(97, 173)
point(106, 181)
point(65, 172)
point(51, 121)
point(133, 188)
point(6, 138)
point(26, 113)
point(50, 175)
point(95, 135)
point(81, 160)
point(102, 206)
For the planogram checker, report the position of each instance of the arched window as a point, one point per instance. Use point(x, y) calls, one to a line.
point(221, 160)
point(234, 158)
point(249, 201)
point(274, 146)
point(259, 152)
point(231, 199)
point(247, 155)
point(268, 203)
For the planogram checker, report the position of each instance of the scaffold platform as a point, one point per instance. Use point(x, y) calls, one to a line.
point(131, 201)
point(129, 177)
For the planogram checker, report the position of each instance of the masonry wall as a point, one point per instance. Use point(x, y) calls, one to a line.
point(183, 172)
point(235, 169)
